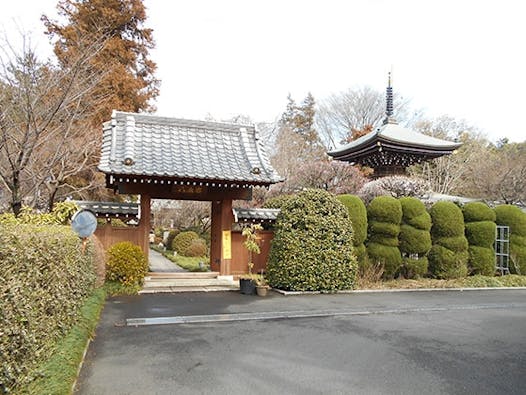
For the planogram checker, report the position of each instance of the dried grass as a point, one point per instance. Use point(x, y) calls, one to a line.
point(99, 260)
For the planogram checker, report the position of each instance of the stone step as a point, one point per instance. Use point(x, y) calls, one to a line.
point(188, 289)
point(188, 282)
point(154, 275)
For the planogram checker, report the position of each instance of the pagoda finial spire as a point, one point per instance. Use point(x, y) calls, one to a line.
point(389, 102)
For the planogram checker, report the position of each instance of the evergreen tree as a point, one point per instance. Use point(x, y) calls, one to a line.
point(297, 141)
point(128, 82)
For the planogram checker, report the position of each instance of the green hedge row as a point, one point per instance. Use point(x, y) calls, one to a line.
point(44, 280)
point(444, 241)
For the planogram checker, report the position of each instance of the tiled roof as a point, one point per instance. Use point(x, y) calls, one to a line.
point(110, 209)
point(147, 145)
point(397, 136)
point(255, 214)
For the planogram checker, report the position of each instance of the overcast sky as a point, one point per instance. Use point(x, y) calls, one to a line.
point(463, 58)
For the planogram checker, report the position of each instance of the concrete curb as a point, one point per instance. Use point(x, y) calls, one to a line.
point(387, 290)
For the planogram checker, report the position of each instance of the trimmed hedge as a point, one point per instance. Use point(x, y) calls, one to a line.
point(384, 215)
point(312, 246)
point(183, 241)
point(44, 281)
point(448, 256)
point(358, 216)
point(415, 238)
point(126, 264)
point(515, 218)
point(480, 232)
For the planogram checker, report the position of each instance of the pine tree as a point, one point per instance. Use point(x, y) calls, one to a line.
point(128, 82)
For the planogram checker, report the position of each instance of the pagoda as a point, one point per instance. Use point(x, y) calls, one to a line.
point(391, 148)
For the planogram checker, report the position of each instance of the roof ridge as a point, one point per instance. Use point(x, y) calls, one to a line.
point(164, 120)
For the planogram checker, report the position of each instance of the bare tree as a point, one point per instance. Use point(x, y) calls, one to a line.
point(341, 114)
point(42, 108)
point(447, 174)
point(498, 175)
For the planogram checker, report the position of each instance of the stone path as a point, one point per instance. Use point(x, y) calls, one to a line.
point(159, 263)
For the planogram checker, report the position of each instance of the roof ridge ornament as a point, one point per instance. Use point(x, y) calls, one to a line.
point(389, 103)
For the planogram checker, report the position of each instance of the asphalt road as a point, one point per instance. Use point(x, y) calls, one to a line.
point(444, 342)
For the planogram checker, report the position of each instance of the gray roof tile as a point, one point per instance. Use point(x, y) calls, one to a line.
point(181, 148)
point(255, 214)
point(110, 209)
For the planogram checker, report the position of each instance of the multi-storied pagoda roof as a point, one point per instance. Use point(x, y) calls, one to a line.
point(393, 147)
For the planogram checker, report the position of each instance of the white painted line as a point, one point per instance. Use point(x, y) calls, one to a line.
point(194, 319)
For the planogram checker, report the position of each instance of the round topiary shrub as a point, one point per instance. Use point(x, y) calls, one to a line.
point(515, 218)
point(196, 248)
point(480, 232)
point(126, 264)
point(358, 216)
point(170, 238)
point(415, 237)
point(312, 246)
point(277, 201)
point(183, 240)
point(384, 215)
point(448, 256)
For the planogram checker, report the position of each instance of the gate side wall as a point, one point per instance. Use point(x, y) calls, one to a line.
point(109, 235)
point(239, 263)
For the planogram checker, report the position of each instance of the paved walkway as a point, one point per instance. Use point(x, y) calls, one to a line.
point(159, 263)
point(436, 343)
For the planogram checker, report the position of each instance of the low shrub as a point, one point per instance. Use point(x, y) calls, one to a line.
point(480, 232)
point(126, 264)
point(515, 218)
point(448, 256)
point(196, 248)
point(312, 246)
point(183, 241)
point(44, 280)
point(60, 215)
point(384, 215)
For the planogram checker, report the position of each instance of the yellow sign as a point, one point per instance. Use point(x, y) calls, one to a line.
point(227, 244)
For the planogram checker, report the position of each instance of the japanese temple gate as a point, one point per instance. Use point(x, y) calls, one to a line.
point(169, 158)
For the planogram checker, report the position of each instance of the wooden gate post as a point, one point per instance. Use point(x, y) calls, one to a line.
point(221, 237)
point(144, 225)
